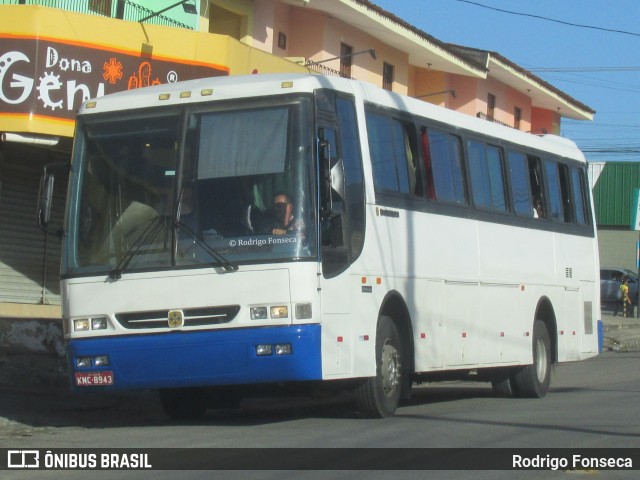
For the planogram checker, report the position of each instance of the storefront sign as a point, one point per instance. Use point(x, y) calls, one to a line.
point(51, 78)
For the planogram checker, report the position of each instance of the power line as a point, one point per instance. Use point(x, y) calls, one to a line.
point(584, 69)
point(550, 19)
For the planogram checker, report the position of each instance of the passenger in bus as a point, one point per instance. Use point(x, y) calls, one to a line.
point(286, 223)
point(538, 209)
point(253, 218)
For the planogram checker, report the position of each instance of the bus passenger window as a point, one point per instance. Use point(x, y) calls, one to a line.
point(392, 155)
point(537, 188)
point(520, 185)
point(579, 196)
point(487, 183)
point(445, 154)
point(565, 189)
point(424, 138)
point(415, 178)
point(556, 206)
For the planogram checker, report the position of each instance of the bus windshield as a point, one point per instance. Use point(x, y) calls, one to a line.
point(218, 186)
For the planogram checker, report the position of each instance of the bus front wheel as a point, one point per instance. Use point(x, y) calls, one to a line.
point(379, 396)
point(533, 380)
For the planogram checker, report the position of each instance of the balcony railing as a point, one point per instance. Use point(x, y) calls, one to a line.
point(324, 70)
point(105, 8)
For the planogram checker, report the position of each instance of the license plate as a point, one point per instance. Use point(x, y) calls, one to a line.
point(94, 379)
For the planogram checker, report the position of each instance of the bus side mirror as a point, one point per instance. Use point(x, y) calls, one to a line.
point(45, 198)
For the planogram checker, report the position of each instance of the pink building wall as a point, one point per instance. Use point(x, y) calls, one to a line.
point(317, 37)
point(314, 35)
point(545, 121)
point(472, 98)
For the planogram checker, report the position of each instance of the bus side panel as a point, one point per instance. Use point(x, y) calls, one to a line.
point(577, 326)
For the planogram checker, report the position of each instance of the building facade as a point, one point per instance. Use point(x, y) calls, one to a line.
point(56, 54)
point(614, 194)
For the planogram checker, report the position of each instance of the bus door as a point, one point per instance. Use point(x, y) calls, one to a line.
point(341, 226)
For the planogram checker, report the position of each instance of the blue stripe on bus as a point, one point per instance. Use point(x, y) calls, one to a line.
point(212, 357)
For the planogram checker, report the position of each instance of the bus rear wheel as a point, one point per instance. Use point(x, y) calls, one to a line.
point(533, 380)
point(379, 396)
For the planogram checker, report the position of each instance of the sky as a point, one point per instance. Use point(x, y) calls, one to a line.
point(598, 67)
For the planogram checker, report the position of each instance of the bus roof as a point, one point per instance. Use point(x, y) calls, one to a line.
point(246, 86)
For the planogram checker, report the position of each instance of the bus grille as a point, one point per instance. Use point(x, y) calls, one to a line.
point(193, 317)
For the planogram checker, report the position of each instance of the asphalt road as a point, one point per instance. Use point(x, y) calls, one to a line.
point(591, 404)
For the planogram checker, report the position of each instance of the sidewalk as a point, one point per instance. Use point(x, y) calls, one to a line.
point(46, 372)
point(620, 334)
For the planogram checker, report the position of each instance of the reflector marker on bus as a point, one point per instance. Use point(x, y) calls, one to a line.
point(186, 94)
point(340, 339)
point(205, 92)
point(423, 335)
point(164, 96)
point(364, 338)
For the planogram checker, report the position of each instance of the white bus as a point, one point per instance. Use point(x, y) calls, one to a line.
point(273, 229)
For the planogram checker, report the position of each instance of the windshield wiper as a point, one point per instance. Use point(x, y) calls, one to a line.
point(148, 234)
point(224, 263)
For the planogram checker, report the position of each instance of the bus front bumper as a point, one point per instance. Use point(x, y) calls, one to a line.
point(197, 358)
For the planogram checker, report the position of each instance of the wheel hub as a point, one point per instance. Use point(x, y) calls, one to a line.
point(390, 368)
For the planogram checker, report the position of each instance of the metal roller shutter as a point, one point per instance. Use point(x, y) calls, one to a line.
point(29, 258)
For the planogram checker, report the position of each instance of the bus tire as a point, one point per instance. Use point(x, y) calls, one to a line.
point(379, 396)
point(184, 403)
point(533, 380)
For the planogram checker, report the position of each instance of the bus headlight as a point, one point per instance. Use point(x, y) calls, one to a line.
point(264, 350)
point(100, 360)
point(81, 324)
point(282, 349)
point(258, 313)
point(281, 311)
point(85, 324)
point(303, 311)
point(83, 362)
point(99, 323)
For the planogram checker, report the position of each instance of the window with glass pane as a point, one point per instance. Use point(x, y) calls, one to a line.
point(496, 178)
point(446, 167)
point(579, 196)
point(485, 167)
point(388, 153)
point(519, 176)
point(556, 209)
